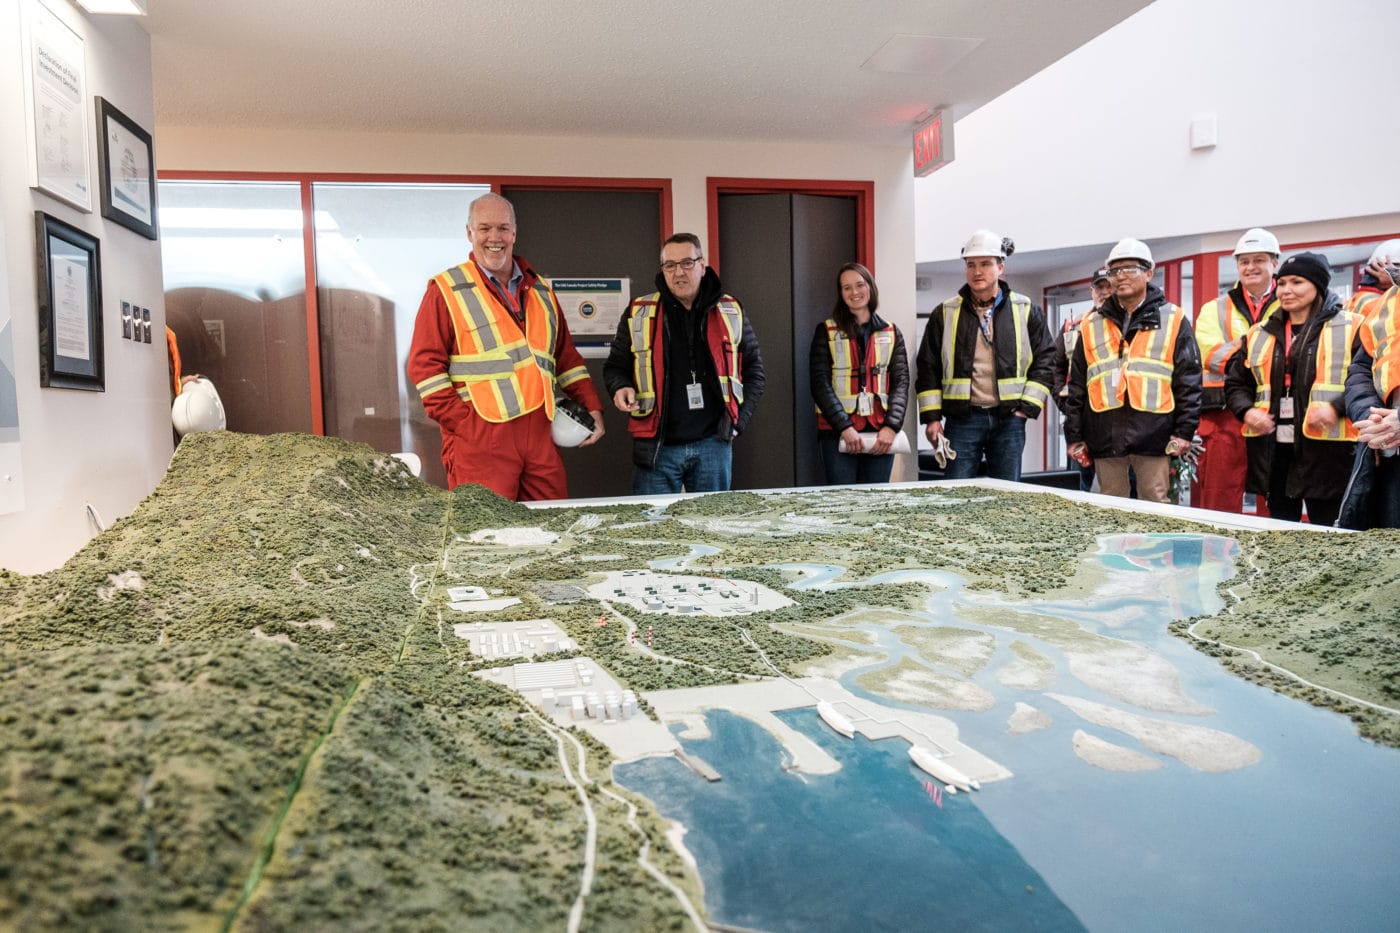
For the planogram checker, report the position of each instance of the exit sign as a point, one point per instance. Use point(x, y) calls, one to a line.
point(933, 144)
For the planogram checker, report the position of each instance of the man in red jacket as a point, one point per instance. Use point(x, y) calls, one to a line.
point(490, 351)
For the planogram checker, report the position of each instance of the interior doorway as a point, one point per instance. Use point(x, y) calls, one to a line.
point(778, 252)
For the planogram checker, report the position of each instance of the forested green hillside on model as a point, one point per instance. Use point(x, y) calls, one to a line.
point(244, 705)
point(227, 711)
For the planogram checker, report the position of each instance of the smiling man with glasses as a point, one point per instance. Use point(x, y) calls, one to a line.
point(686, 368)
point(1134, 397)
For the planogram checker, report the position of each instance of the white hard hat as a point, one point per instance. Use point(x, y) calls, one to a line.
point(1130, 249)
point(987, 243)
point(197, 408)
point(1257, 240)
point(1387, 253)
point(572, 423)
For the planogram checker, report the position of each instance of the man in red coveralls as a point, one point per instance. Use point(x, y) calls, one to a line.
point(490, 350)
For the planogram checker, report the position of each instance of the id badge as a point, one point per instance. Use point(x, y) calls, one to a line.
point(1284, 434)
point(1285, 408)
point(1114, 376)
point(695, 396)
point(865, 404)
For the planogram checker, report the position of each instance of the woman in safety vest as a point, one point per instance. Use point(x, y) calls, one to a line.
point(860, 382)
point(1288, 386)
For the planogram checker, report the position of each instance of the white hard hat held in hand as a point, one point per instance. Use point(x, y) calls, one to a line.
point(572, 423)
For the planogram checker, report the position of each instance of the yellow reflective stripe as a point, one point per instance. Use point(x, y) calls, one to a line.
point(571, 376)
point(930, 400)
point(957, 389)
point(1329, 386)
point(1035, 394)
point(733, 319)
point(483, 322)
point(1259, 355)
point(952, 308)
point(641, 326)
point(433, 384)
point(841, 366)
point(879, 381)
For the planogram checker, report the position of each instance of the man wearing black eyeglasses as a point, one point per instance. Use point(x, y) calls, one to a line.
point(1134, 396)
point(685, 367)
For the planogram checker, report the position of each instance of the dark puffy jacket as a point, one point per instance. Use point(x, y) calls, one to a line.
point(825, 395)
point(1123, 431)
point(1319, 469)
point(617, 371)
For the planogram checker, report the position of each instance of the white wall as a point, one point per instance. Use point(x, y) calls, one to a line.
point(1095, 147)
point(108, 449)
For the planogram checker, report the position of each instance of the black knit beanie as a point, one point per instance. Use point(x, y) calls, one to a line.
point(1311, 266)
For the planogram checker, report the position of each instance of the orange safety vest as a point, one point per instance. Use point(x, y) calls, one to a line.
point(498, 370)
point(845, 375)
point(1142, 377)
point(649, 358)
point(1380, 334)
point(1329, 385)
point(1220, 330)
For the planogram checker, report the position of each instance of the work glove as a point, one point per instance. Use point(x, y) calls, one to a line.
point(943, 452)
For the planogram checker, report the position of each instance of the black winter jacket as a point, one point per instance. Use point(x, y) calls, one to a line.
point(824, 394)
point(1123, 431)
point(930, 373)
point(1319, 469)
point(617, 371)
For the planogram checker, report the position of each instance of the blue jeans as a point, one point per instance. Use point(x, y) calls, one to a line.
point(983, 431)
point(697, 466)
point(848, 469)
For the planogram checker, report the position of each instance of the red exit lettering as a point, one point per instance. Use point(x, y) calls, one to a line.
point(928, 144)
point(933, 145)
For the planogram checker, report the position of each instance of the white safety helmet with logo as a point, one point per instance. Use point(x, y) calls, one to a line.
point(1130, 249)
point(987, 243)
point(572, 423)
point(1257, 240)
point(197, 408)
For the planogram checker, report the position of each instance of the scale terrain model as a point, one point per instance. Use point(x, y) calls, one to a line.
point(298, 688)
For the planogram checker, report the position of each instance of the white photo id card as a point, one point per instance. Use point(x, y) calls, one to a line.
point(695, 396)
point(1285, 408)
point(865, 404)
point(1284, 434)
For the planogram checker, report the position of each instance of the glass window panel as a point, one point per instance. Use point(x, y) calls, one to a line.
point(235, 296)
point(377, 245)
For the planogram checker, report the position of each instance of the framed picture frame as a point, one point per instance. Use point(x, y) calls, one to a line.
point(55, 104)
point(126, 169)
point(70, 306)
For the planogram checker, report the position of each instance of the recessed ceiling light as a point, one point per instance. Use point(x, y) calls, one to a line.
point(920, 55)
point(121, 7)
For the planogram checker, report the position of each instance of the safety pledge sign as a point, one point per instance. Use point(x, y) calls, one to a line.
point(593, 305)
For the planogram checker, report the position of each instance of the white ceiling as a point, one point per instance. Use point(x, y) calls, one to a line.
point(717, 69)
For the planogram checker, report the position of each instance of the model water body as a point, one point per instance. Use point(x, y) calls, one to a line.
point(1254, 848)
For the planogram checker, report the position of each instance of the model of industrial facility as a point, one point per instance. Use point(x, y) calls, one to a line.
point(298, 687)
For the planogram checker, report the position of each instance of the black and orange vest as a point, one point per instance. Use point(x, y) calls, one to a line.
point(845, 373)
point(724, 327)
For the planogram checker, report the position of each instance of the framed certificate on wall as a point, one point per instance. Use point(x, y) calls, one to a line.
point(126, 167)
point(70, 306)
